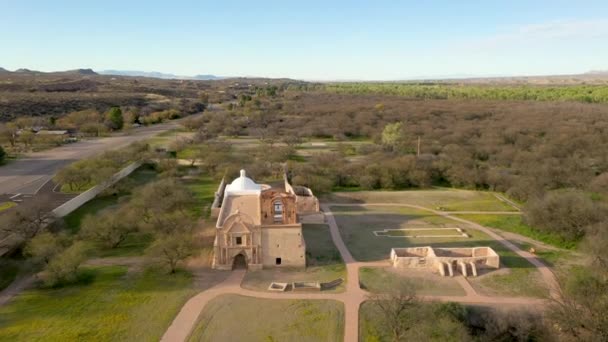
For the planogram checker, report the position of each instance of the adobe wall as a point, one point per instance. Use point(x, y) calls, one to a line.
point(307, 203)
point(285, 243)
point(428, 257)
point(217, 201)
point(267, 200)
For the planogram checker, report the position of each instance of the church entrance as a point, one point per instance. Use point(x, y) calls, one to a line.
point(239, 262)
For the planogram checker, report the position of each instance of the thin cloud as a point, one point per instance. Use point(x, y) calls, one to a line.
point(563, 30)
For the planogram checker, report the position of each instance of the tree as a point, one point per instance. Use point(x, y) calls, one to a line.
point(2, 155)
point(27, 220)
point(63, 268)
point(114, 118)
point(171, 249)
point(393, 303)
point(579, 312)
point(110, 228)
point(76, 175)
point(8, 132)
point(393, 136)
point(27, 137)
point(566, 213)
point(44, 246)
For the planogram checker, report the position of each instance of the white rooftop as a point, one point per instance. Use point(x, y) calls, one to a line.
point(243, 185)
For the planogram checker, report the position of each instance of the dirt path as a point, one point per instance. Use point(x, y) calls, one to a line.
point(15, 288)
point(507, 201)
point(546, 273)
point(186, 320)
point(475, 212)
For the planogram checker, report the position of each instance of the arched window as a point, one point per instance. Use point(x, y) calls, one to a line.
point(277, 206)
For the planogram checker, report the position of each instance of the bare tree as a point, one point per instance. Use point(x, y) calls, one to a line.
point(28, 219)
point(394, 303)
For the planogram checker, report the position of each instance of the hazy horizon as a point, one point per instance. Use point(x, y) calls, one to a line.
point(312, 41)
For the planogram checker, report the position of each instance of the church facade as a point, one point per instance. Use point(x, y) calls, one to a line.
point(258, 227)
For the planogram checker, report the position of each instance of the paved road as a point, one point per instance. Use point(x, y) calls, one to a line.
point(29, 173)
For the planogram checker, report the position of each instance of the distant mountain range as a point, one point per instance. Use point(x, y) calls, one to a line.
point(156, 74)
point(71, 72)
point(135, 73)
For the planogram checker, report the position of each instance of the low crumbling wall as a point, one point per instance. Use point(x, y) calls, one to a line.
point(306, 201)
point(445, 260)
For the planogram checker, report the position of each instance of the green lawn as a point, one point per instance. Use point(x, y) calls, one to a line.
point(134, 245)
point(357, 226)
point(375, 279)
point(239, 318)
point(7, 205)
point(514, 224)
point(188, 152)
point(74, 219)
point(440, 199)
point(517, 277)
point(113, 306)
point(323, 260)
point(203, 188)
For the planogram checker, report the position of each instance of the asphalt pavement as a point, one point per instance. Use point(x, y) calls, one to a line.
point(28, 174)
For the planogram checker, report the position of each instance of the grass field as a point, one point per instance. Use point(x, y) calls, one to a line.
point(323, 260)
point(440, 199)
point(517, 277)
point(514, 224)
point(357, 226)
point(112, 306)
point(375, 279)
point(203, 188)
point(74, 219)
point(139, 177)
point(238, 318)
point(427, 322)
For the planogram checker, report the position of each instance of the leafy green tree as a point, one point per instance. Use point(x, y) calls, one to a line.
point(44, 246)
point(63, 268)
point(114, 118)
point(110, 228)
point(393, 136)
point(171, 249)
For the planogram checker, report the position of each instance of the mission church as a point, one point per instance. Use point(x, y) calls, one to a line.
point(258, 226)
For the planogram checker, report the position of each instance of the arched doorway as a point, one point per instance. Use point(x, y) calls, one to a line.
point(239, 262)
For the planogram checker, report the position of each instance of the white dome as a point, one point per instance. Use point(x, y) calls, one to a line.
point(243, 185)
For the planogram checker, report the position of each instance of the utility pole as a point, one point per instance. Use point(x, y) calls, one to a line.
point(418, 152)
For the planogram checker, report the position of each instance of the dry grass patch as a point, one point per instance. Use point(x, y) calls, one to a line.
point(239, 318)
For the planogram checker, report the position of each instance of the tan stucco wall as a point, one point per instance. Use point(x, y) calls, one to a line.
point(285, 243)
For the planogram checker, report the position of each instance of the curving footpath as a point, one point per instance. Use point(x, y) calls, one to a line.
point(186, 319)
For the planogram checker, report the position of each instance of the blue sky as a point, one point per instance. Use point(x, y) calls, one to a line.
point(317, 40)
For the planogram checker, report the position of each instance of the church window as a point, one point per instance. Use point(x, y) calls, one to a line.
point(278, 211)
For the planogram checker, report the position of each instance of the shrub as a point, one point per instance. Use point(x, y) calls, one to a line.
point(63, 268)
